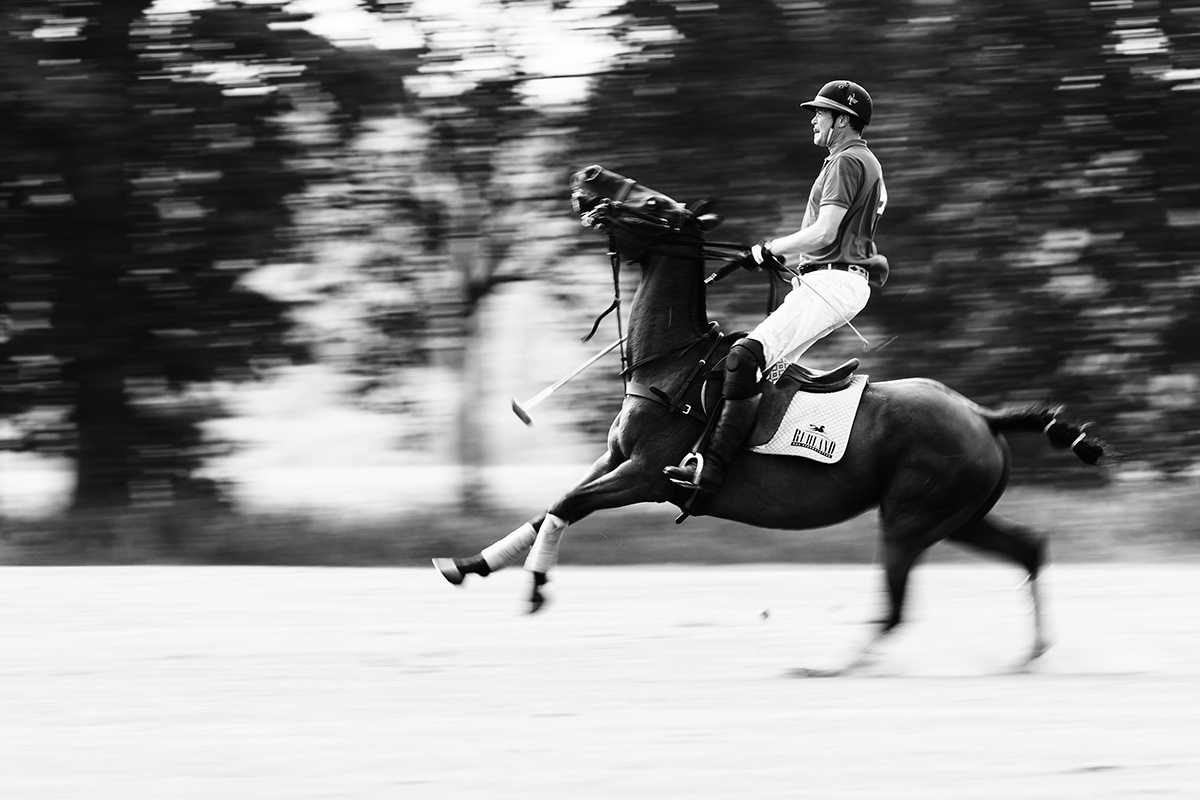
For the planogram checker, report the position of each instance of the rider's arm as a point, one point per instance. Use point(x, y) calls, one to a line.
point(814, 238)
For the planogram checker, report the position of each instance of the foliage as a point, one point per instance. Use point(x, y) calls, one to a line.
point(1043, 187)
point(1044, 198)
point(145, 167)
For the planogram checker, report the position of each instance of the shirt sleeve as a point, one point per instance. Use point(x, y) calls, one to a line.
point(842, 182)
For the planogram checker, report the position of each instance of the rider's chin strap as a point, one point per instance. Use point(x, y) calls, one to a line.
point(615, 259)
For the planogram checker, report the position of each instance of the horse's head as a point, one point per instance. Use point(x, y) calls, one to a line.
point(636, 215)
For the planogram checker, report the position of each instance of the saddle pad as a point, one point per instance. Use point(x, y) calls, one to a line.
point(817, 425)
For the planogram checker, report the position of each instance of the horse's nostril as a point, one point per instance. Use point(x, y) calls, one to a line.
point(584, 202)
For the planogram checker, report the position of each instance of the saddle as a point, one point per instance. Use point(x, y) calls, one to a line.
point(777, 396)
point(778, 390)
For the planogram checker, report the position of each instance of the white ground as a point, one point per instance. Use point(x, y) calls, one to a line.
point(165, 682)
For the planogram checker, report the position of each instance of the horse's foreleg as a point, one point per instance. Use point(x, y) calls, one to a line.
point(625, 485)
point(508, 550)
point(500, 554)
point(542, 556)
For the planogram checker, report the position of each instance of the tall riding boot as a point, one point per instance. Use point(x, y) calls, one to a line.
point(734, 424)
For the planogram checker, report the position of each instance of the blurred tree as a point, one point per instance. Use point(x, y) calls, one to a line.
point(1043, 197)
point(471, 140)
point(145, 163)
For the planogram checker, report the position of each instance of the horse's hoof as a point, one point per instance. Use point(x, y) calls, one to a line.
point(449, 570)
point(536, 598)
point(808, 672)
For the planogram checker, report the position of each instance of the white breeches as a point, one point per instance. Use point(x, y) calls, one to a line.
point(806, 316)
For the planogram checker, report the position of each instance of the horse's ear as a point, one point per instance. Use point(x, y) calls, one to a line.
point(710, 222)
point(702, 206)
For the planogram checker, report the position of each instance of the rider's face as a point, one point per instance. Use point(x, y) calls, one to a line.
point(822, 126)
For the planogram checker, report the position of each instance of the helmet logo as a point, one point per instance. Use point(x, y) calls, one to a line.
point(851, 99)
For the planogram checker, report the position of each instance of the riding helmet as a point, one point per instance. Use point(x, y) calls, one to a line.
point(844, 96)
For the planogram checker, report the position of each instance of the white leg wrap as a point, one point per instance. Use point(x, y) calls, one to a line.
point(544, 553)
point(509, 549)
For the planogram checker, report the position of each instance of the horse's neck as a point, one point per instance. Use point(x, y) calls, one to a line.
point(668, 310)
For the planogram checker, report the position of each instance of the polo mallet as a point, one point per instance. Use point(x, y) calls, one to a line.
point(522, 409)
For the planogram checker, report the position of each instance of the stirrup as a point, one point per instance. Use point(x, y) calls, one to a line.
point(689, 460)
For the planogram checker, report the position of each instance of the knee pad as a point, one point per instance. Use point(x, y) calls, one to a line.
point(742, 367)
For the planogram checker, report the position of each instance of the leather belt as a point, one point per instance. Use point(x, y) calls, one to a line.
point(855, 269)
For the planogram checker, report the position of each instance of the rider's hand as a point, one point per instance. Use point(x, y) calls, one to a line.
point(756, 257)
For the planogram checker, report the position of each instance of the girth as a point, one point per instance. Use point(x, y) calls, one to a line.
point(690, 386)
point(635, 389)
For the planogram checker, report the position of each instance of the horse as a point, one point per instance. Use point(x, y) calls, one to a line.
point(933, 462)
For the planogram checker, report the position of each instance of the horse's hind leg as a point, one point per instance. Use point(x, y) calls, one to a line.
point(908, 529)
point(1021, 544)
point(900, 555)
point(899, 559)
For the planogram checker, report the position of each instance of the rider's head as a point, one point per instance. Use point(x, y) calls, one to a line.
point(844, 98)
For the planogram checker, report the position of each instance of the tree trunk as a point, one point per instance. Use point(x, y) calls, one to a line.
point(467, 254)
point(104, 464)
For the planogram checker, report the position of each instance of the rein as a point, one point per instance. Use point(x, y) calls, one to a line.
point(598, 219)
point(676, 351)
point(615, 259)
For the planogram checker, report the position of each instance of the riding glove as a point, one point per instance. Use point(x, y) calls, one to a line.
point(758, 256)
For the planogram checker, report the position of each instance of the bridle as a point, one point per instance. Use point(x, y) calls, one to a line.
point(618, 218)
point(633, 222)
point(652, 228)
point(684, 239)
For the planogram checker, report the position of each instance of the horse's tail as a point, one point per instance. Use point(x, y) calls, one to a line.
point(1044, 418)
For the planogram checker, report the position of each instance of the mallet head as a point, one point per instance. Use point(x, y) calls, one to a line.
point(520, 412)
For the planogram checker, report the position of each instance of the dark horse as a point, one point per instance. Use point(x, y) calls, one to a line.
point(932, 461)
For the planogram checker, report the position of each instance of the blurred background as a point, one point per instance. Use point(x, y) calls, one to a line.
point(271, 271)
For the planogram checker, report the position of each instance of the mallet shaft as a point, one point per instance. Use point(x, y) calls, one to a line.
point(521, 409)
point(554, 387)
point(845, 319)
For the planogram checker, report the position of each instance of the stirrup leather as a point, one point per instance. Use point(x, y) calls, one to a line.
point(696, 462)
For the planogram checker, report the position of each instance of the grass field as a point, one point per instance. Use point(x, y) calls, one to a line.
point(641, 683)
point(1148, 522)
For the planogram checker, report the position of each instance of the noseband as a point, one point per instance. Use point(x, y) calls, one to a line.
point(618, 219)
point(647, 230)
